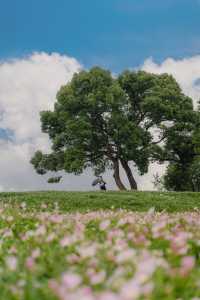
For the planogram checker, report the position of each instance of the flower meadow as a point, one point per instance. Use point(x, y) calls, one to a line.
point(102, 255)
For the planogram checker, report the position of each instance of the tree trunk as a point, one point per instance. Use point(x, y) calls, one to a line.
point(116, 176)
point(129, 174)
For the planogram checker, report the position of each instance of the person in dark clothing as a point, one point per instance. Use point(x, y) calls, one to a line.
point(103, 186)
point(101, 182)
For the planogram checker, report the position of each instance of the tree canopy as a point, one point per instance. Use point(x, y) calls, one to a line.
point(101, 122)
point(182, 151)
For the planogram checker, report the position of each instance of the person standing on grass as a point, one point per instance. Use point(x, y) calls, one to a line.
point(101, 182)
point(103, 186)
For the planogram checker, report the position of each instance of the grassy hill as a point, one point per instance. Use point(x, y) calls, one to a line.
point(83, 201)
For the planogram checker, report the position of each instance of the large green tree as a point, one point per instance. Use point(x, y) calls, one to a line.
point(101, 121)
point(182, 151)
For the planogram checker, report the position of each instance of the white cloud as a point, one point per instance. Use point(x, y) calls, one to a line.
point(186, 71)
point(28, 86)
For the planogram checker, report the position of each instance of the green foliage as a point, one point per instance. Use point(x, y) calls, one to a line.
point(195, 175)
point(37, 161)
point(182, 151)
point(177, 178)
point(99, 121)
point(54, 179)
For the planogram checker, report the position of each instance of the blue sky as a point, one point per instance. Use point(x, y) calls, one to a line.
point(44, 37)
point(116, 34)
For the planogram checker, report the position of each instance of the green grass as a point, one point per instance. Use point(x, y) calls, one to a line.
point(83, 201)
point(39, 241)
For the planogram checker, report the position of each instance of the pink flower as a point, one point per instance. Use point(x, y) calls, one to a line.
point(56, 218)
point(187, 264)
point(7, 233)
point(125, 256)
point(35, 253)
point(131, 290)
point(147, 288)
point(71, 280)
point(87, 251)
point(30, 263)
point(66, 241)
point(158, 228)
point(140, 240)
point(73, 258)
point(41, 230)
point(58, 290)
point(179, 243)
point(104, 225)
point(13, 250)
point(98, 277)
point(50, 237)
point(11, 262)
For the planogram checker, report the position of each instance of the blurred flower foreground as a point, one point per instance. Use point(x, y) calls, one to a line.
point(105, 255)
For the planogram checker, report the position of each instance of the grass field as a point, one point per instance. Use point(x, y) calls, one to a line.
point(99, 246)
point(83, 201)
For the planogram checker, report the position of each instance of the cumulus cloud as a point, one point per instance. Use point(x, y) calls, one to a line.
point(28, 86)
point(186, 71)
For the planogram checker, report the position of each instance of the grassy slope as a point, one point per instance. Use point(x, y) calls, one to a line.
point(82, 201)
